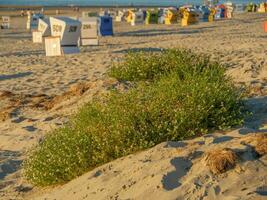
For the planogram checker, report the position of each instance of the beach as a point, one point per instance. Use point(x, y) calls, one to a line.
point(39, 93)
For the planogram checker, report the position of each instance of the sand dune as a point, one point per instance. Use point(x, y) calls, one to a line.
point(29, 80)
point(173, 170)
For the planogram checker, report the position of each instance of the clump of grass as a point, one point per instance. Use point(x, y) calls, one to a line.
point(220, 160)
point(172, 102)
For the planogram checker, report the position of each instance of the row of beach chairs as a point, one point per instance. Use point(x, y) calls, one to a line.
point(64, 35)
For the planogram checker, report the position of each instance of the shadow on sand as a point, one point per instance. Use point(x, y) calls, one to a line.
point(14, 76)
point(258, 107)
point(9, 162)
point(154, 32)
point(171, 180)
point(138, 50)
point(23, 53)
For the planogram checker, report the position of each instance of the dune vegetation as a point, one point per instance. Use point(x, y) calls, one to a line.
point(175, 94)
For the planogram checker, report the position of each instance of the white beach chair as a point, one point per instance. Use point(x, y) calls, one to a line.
point(52, 46)
point(5, 22)
point(89, 31)
point(119, 16)
point(138, 18)
point(37, 36)
point(33, 20)
point(44, 27)
point(43, 30)
point(68, 30)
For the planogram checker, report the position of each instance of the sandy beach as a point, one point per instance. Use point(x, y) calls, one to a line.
point(39, 93)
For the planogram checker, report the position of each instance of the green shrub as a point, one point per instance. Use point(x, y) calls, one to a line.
point(185, 100)
point(61, 156)
point(143, 66)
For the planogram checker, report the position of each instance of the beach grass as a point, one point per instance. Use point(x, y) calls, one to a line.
point(176, 94)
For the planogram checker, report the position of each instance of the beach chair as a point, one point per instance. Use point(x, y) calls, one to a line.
point(105, 26)
point(33, 20)
point(44, 27)
point(262, 8)
point(161, 15)
point(239, 8)
point(89, 31)
point(137, 18)
point(129, 16)
point(37, 36)
point(171, 16)
point(68, 30)
point(251, 7)
point(203, 13)
point(52, 46)
point(189, 17)
point(212, 14)
point(119, 16)
point(5, 22)
point(229, 10)
point(152, 17)
point(220, 12)
point(43, 30)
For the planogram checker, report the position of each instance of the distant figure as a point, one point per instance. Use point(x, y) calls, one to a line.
point(42, 10)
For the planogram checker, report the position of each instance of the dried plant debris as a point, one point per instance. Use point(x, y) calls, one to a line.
point(6, 94)
point(77, 90)
point(220, 160)
point(258, 142)
point(261, 145)
point(5, 114)
point(38, 101)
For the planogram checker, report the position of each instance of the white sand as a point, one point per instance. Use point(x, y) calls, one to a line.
point(26, 72)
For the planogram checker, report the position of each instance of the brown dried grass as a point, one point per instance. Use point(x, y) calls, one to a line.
point(258, 141)
point(261, 144)
point(74, 91)
point(4, 115)
point(220, 160)
point(6, 94)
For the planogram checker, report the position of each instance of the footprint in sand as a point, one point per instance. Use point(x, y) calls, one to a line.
point(30, 128)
